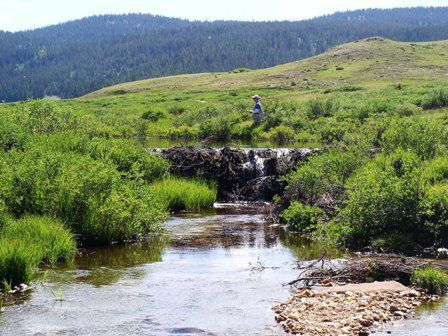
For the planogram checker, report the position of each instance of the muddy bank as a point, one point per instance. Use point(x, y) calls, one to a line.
point(244, 174)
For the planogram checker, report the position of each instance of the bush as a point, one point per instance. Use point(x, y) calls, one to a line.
point(180, 194)
point(281, 134)
point(407, 110)
point(431, 279)
point(45, 117)
point(131, 158)
point(11, 135)
point(435, 212)
point(322, 108)
point(219, 128)
point(423, 137)
point(153, 116)
point(129, 211)
point(383, 197)
point(177, 110)
point(240, 70)
point(436, 170)
point(302, 217)
point(435, 99)
point(343, 88)
point(325, 174)
point(90, 196)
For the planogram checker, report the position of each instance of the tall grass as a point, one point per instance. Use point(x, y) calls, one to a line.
point(29, 242)
point(430, 278)
point(182, 194)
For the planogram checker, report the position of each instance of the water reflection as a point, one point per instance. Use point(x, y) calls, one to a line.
point(305, 249)
point(106, 265)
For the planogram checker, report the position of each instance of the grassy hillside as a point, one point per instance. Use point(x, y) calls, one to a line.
point(370, 62)
point(214, 105)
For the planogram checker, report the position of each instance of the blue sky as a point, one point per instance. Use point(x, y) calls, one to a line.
point(26, 14)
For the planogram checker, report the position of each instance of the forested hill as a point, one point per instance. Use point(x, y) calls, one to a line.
point(78, 57)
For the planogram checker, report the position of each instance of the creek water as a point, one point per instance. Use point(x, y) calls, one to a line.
point(212, 274)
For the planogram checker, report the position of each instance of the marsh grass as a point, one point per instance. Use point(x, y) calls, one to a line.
point(185, 194)
point(430, 278)
point(29, 242)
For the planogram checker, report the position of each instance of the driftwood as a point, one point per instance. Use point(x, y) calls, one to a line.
point(366, 268)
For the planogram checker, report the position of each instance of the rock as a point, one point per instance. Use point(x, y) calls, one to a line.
point(393, 308)
point(442, 253)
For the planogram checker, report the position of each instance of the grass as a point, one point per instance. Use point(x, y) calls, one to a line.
point(181, 194)
point(29, 242)
point(431, 279)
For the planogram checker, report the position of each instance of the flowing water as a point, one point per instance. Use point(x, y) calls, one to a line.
point(219, 274)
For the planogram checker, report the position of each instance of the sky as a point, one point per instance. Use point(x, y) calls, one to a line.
point(16, 15)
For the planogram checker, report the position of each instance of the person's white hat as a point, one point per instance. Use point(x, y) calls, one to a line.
point(256, 97)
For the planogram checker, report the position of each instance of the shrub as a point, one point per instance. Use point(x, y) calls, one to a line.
point(435, 212)
point(180, 194)
point(131, 158)
point(128, 212)
point(153, 116)
point(11, 135)
point(407, 110)
point(395, 242)
point(176, 110)
point(302, 217)
point(240, 70)
point(431, 279)
point(436, 170)
point(219, 128)
point(325, 174)
point(425, 138)
point(344, 88)
point(45, 116)
point(281, 134)
point(435, 98)
point(383, 197)
point(90, 196)
point(321, 108)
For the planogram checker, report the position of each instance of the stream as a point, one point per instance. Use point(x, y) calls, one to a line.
point(212, 274)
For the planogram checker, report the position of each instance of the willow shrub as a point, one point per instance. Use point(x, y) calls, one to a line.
point(423, 137)
point(383, 197)
point(182, 194)
point(130, 158)
point(89, 195)
point(302, 217)
point(29, 242)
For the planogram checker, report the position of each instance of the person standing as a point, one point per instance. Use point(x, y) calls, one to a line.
point(257, 111)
